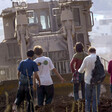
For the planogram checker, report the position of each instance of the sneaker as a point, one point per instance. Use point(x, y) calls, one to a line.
point(14, 108)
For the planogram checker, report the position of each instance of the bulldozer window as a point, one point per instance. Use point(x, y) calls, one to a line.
point(43, 22)
point(76, 16)
point(44, 19)
point(32, 17)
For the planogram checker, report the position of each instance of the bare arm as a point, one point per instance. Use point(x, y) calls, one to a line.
point(18, 74)
point(36, 77)
point(58, 75)
point(72, 64)
point(34, 82)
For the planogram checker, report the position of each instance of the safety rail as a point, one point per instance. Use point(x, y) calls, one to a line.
point(63, 67)
point(105, 63)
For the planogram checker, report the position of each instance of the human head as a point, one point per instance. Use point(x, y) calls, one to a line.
point(38, 50)
point(79, 47)
point(30, 53)
point(92, 50)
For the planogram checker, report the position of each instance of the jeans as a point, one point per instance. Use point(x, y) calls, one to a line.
point(45, 92)
point(23, 92)
point(76, 90)
point(92, 92)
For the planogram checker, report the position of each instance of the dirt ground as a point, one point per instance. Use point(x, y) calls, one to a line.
point(60, 104)
point(61, 101)
point(67, 104)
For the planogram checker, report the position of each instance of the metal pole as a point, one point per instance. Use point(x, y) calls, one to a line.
point(31, 103)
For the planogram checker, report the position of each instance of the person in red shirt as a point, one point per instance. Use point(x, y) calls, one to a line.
point(75, 65)
point(110, 72)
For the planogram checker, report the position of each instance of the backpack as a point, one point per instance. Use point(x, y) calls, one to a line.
point(98, 73)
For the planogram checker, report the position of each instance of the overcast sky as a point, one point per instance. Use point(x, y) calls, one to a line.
point(7, 3)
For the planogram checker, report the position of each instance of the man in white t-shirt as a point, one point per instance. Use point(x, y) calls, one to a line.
point(45, 65)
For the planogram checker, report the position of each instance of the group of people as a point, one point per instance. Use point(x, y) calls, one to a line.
point(38, 74)
point(84, 64)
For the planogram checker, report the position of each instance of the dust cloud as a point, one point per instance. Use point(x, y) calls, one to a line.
point(103, 45)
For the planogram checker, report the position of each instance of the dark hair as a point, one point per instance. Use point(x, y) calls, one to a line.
point(91, 50)
point(30, 53)
point(79, 47)
point(38, 50)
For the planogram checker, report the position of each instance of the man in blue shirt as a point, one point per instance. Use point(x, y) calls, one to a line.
point(27, 68)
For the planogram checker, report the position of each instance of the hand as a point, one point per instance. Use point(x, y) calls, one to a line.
point(39, 83)
point(34, 86)
point(62, 80)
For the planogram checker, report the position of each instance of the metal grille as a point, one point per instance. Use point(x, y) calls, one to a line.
point(63, 67)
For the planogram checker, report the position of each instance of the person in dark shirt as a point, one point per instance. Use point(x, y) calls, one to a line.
point(26, 69)
point(75, 65)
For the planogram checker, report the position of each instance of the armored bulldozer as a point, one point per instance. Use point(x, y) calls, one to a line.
point(55, 25)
